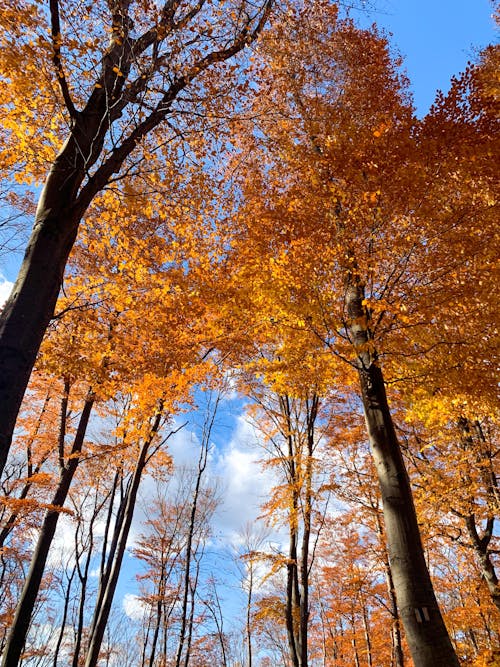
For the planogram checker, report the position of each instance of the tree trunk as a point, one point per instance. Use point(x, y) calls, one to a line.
point(426, 633)
point(480, 539)
point(64, 618)
point(292, 585)
point(83, 576)
point(185, 626)
point(397, 657)
point(31, 304)
point(366, 628)
point(248, 628)
point(158, 617)
point(19, 630)
point(103, 608)
point(305, 565)
point(480, 546)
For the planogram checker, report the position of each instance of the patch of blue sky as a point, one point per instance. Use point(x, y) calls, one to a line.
point(435, 38)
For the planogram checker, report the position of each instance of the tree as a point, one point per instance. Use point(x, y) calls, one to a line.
point(121, 68)
point(68, 463)
point(341, 177)
point(251, 543)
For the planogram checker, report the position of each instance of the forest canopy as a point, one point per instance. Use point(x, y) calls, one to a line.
point(250, 260)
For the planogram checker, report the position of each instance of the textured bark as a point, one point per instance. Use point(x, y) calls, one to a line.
point(24, 610)
point(426, 633)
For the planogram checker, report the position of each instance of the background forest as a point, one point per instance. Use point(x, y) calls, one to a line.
point(248, 370)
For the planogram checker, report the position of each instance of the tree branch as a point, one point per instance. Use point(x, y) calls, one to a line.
point(55, 29)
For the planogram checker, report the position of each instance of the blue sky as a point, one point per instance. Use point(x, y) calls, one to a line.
point(436, 38)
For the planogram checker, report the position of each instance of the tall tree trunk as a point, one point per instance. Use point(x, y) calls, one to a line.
point(158, 616)
point(24, 611)
point(103, 606)
point(299, 466)
point(366, 628)
point(31, 304)
point(83, 576)
point(305, 564)
point(111, 571)
point(186, 584)
point(248, 624)
point(64, 618)
point(397, 657)
point(426, 633)
point(354, 642)
point(292, 585)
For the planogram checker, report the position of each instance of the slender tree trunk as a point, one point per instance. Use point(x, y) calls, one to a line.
point(190, 620)
point(368, 641)
point(24, 611)
point(83, 575)
point(103, 608)
point(480, 539)
point(324, 624)
point(145, 640)
point(158, 617)
point(305, 565)
point(215, 610)
point(426, 633)
point(292, 601)
point(109, 579)
point(292, 592)
point(64, 617)
point(480, 546)
point(299, 466)
point(249, 615)
point(202, 463)
point(354, 643)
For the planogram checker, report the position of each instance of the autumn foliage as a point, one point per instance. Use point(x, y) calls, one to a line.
point(242, 205)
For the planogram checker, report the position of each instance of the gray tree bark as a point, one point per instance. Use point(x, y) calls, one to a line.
point(426, 633)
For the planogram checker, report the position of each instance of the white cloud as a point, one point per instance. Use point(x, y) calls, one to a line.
point(5, 290)
point(244, 482)
point(134, 607)
point(235, 469)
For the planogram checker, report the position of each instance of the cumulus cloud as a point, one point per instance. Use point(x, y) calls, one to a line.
point(244, 482)
point(5, 290)
point(133, 607)
point(234, 469)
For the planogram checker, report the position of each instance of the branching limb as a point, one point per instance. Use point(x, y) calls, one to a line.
point(55, 29)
